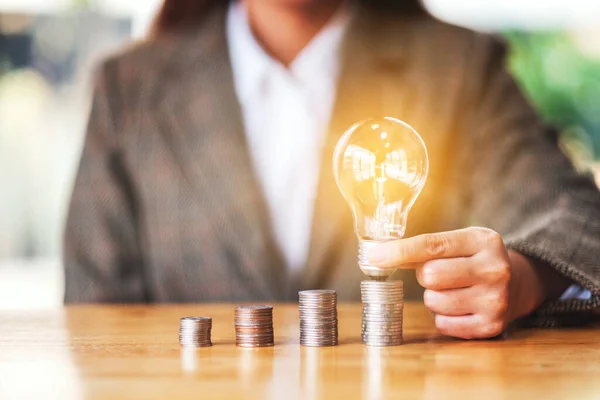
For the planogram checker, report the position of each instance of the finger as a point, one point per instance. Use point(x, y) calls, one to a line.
point(415, 266)
point(455, 302)
point(422, 248)
point(473, 326)
point(449, 273)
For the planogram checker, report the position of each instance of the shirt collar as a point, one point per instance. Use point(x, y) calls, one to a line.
point(321, 56)
point(317, 62)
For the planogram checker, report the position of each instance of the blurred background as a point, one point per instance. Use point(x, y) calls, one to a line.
point(48, 49)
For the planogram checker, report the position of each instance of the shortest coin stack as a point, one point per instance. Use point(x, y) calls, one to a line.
point(254, 326)
point(195, 331)
point(383, 306)
point(318, 318)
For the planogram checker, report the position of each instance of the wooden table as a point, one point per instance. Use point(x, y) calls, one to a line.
point(132, 352)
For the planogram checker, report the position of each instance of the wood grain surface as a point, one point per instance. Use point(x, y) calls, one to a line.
point(132, 352)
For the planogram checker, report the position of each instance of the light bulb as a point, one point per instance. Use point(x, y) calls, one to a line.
point(380, 166)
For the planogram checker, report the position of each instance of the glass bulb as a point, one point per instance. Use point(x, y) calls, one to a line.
point(380, 166)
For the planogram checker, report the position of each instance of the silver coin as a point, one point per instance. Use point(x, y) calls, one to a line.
point(382, 313)
point(399, 306)
point(317, 328)
point(195, 319)
point(319, 344)
point(383, 344)
point(246, 344)
point(318, 318)
point(367, 325)
point(255, 308)
point(382, 336)
point(195, 331)
point(381, 319)
point(317, 292)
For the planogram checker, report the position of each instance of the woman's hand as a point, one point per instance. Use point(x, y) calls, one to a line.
point(474, 285)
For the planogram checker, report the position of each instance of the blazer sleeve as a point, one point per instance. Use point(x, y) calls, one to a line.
point(524, 187)
point(102, 257)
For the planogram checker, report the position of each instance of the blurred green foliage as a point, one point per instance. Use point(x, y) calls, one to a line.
point(563, 82)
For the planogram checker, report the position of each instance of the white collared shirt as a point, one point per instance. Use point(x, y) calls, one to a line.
point(286, 113)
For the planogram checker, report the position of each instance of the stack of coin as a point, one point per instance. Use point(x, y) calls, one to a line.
point(383, 305)
point(254, 326)
point(195, 331)
point(318, 318)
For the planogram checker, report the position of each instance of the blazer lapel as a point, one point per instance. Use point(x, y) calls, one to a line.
point(205, 130)
point(373, 60)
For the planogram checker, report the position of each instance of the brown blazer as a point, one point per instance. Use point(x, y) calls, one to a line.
point(166, 207)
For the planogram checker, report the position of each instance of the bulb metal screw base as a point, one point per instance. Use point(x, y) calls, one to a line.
point(363, 261)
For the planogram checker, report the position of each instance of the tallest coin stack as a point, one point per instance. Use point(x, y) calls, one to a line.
point(383, 306)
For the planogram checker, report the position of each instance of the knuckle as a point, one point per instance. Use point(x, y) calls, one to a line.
point(429, 299)
point(442, 325)
point(498, 304)
point(499, 272)
point(504, 274)
point(462, 333)
point(478, 230)
point(429, 278)
point(491, 329)
point(447, 331)
point(447, 328)
point(436, 245)
point(492, 238)
point(502, 306)
point(467, 334)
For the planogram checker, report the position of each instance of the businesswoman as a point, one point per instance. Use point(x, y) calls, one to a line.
point(206, 171)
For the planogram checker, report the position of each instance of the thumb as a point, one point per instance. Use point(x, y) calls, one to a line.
point(393, 254)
